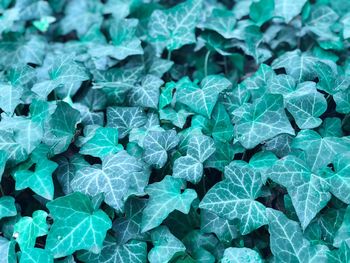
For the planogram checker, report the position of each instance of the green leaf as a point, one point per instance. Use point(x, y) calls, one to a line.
point(288, 9)
point(116, 178)
point(234, 198)
point(40, 180)
point(202, 100)
point(339, 255)
point(84, 228)
point(319, 151)
point(33, 255)
point(241, 255)
point(7, 207)
point(165, 245)
point(147, 93)
point(27, 229)
point(260, 121)
point(14, 150)
point(165, 197)
point(125, 119)
point(174, 27)
point(309, 192)
point(156, 144)
point(104, 142)
point(342, 234)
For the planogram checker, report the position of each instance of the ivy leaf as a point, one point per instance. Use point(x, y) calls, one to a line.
point(67, 234)
point(301, 66)
point(286, 238)
point(124, 42)
point(63, 71)
point(115, 178)
point(308, 191)
point(342, 234)
point(304, 103)
point(10, 97)
point(288, 9)
point(174, 27)
point(156, 144)
point(224, 229)
point(202, 100)
point(129, 227)
point(133, 252)
point(221, 21)
point(61, 127)
point(262, 120)
point(7, 207)
point(165, 245)
point(40, 180)
point(14, 151)
point(319, 151)
point(234, 198)
point(165, 197)
point(262, 11)
point(238, 255)
point(147, 93)
point(27, 229)
point(125, 119)
point(339, 255)
point(190, 167)
point(104, 142)
point(35, 255)
point(7, 250)
point(339, 181)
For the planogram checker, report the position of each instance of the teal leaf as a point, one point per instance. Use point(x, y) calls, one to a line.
point(342, 235)
point(34, 255)
point(262, 11)
point(131, 252)
point(64, 71)
point(115, 178)
point(241, 255)
point(147, 93)
point(39, 180)
point(222, 21)
point(319, 151)
point(165, 197)
point(27, 229)
point(309, 192)
point(234, 198)
point(339, 180)
point(7, 250)
point(156, 145)
point(129, 227)
point(203, 99)
point(7, 207)
point(165, 245)
point(288, 9)
point(190, 167)
point(84, 228)
point(260, 121)
point(10, 97)
point(104, 142)
point(125, 119)
point(286, 238)
point(174, 28)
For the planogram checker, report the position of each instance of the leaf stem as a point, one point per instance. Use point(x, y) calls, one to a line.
point(206, 63)
point(169, 55)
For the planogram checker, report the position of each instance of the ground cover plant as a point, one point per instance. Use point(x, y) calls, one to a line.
point(174, 131)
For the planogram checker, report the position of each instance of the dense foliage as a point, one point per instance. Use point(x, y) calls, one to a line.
point(175, 131)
